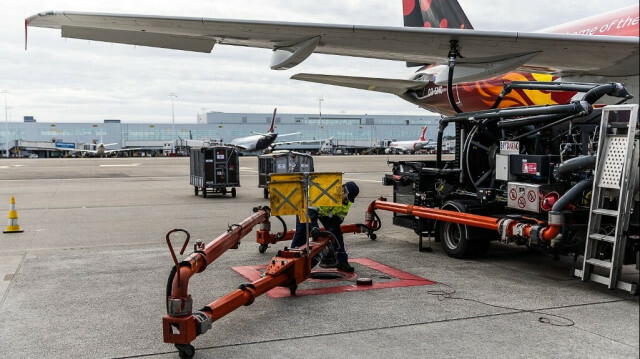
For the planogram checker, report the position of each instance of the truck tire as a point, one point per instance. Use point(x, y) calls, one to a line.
point(460, 241)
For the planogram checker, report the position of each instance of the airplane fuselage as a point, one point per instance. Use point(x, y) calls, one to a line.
point(407, 146)
point(255, 142)
point(480, 95)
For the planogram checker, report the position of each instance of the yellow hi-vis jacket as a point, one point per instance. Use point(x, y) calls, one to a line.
point(340, 211)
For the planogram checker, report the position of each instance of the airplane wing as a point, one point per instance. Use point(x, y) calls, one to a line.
point(288, 134)
point(62, 149)
point(121, 150)
point(393, 86)
point(240, 147)
point(292, 43)
point(273, 145)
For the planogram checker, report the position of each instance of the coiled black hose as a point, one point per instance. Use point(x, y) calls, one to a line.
point(281, 235)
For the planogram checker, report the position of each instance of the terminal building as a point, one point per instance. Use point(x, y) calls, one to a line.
point(348, 133)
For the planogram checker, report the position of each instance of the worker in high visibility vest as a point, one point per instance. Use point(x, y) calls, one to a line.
point(331, 219)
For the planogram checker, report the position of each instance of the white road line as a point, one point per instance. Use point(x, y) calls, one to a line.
point(127, 165)
point(360, 180)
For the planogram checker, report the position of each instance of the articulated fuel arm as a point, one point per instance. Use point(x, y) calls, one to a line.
point(507, 227)
point(288, 268)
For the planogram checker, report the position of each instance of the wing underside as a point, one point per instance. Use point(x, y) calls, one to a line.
point(392, 86)
point(293, 42)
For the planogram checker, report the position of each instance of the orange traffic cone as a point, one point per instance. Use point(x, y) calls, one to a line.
point(12, 225)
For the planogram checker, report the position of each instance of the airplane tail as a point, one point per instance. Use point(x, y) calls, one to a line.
point(273, 121)
point(435, 13)
point(424, 131)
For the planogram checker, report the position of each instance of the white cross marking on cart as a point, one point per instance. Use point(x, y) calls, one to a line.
point(285, 199)
point(323, 191)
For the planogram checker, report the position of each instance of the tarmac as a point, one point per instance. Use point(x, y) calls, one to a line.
point(87, 277)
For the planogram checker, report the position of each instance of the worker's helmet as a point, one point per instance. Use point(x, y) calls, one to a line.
point(352, 190)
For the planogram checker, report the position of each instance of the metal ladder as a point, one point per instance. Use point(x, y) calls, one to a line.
point(616, 168)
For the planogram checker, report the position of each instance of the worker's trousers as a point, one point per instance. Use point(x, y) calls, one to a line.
point(330, 224)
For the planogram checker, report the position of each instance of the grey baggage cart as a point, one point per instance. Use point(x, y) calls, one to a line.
point(214, 169)
point(281, 162)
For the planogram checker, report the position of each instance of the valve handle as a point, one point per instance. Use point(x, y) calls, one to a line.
point(184, 246)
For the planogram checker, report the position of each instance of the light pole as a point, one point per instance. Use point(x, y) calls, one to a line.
point(320, 99)
point(173, 118)
point(6, 124)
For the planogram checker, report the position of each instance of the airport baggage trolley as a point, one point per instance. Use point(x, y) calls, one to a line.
point(214, 169)
point(281, 162)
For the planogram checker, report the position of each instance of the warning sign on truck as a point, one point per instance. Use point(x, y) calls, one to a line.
point(529, 168)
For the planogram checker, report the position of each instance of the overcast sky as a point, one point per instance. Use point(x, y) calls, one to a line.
point(66, 80)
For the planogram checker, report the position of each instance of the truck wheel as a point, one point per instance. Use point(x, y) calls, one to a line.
point(195, 190)
point(460, 241)
point(266, 193)
point(233, 192)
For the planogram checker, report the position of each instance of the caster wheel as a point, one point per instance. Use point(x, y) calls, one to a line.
point(195, 190)
point(223, 191)
point(265, 193)
point(186, 351)
point(373, 236)
point(204, 193)
point(292, 289)
point(233, 192)
point(263, 248)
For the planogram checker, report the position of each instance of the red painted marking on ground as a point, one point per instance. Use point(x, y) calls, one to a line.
point(403, 279)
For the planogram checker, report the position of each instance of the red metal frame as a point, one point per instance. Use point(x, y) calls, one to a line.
point(264, 237)
point(287, 269)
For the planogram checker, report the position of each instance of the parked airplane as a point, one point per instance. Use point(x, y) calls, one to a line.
point(569, 51)
point(261, 141)
point(102, 151)
point(408, 146)
point(99, 151)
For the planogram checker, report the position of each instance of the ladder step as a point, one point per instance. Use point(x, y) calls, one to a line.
point(599, 263)
point(602, 237)
point(606, 212)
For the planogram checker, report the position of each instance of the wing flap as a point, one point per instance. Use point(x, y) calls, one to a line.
point(140, 38)
point(393, 86)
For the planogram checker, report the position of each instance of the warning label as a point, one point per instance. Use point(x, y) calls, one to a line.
point(531, 196)
point(529, 168)
point(522, 202)
point(513, 194)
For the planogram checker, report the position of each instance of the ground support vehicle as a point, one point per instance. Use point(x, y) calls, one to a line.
point(563, 178)
point(281, 162)
point(214, 170)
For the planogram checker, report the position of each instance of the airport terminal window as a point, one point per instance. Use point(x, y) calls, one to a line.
point(333, 121)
